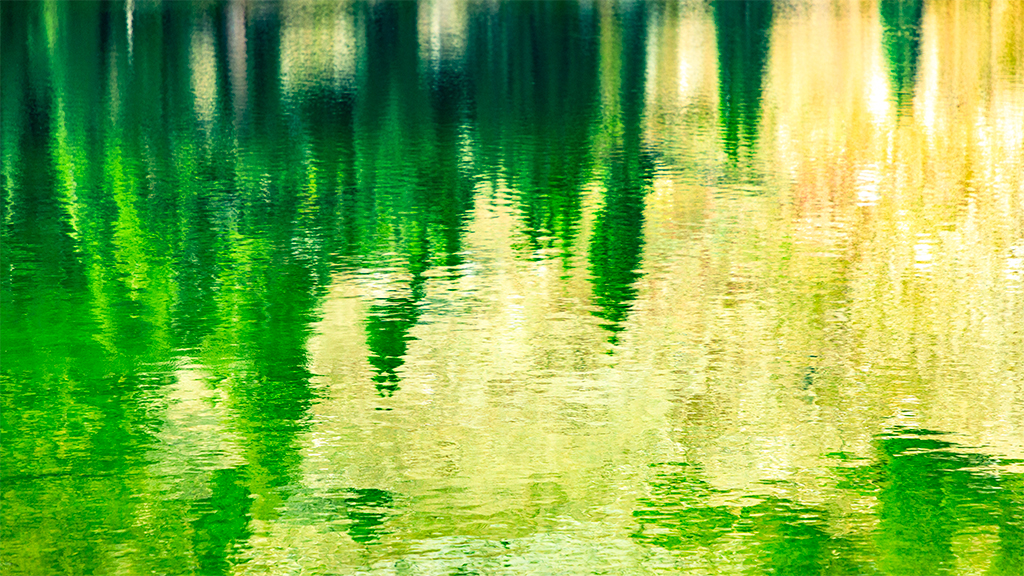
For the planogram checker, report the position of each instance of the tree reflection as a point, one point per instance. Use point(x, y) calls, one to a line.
point(387, 332)
point(743, 29)
point(535, 67)
point(411, 173)
point(180, 190)
point(74, 417)
point(367, 509)
point(931, 492)
point(901, 40)
point(616, 249)
point(149, 239)
point(777, 534)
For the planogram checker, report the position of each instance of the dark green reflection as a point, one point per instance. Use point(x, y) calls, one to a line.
point(413, 180)
point(901, 40)
point(391, 184)
point(679, 509)
point(616, 249)
point(272, 265)
point(535, 68)
point(387, 333)
point(743, 30)
point(361, 512)
point(181, 184)
point(929, 492)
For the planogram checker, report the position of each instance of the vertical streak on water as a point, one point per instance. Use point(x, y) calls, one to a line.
point(617, 244)
point(901, 37)
point(743, 29)
point(129, 24)
point(238, 68)
point(388, 142)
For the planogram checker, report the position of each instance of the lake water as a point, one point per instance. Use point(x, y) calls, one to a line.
point(512, 288)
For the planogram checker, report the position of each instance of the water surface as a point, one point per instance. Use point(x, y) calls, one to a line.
point(512, 288)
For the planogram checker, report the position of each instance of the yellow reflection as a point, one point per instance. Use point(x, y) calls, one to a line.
point(870, 254)
point(320, 45)
point(202, 61)
point(441, 28)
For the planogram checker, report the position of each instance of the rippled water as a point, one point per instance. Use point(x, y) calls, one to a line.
point(513, 288)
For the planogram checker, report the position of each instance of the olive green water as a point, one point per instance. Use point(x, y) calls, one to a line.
point(512, 288)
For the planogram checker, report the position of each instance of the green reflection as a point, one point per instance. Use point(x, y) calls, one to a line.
point(775, 535)
point(367, 509)
point(81, 369)
point(189, 189)
point(222, 522)
point(411, 171)
point(743, 31)
point(136, 238)
point(901, 39)
point(616, 248)
point(272, 264)
point(387, 334)
point(536, 103)
point(928, 493)
point(362, 513)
